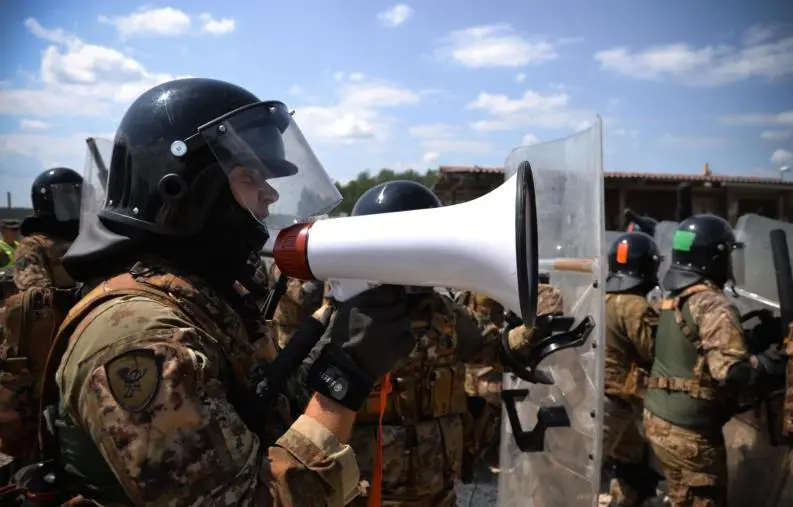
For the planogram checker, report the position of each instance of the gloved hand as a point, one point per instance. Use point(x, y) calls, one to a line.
point(367, 336)
point(772, 362)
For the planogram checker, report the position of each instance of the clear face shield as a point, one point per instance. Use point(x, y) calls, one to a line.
point(272, 170)
point(66, 200)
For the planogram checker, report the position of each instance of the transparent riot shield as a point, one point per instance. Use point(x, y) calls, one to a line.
point(559, 466)
point(753, 264)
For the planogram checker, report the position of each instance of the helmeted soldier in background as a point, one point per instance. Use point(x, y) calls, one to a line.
point(49, 232)
point(421, 403)
point(631, 322)
point(154, 401)
point(701, 365)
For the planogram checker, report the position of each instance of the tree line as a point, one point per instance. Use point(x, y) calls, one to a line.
point(354, 189)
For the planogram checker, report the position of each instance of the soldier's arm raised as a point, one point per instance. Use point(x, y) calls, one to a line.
point(30, 266)
point(155, 400)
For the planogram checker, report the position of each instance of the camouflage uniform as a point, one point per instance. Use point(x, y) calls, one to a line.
point(425, 418)
point(685, 411)
point(159, 385)
point(38, 263)
point(630, 330)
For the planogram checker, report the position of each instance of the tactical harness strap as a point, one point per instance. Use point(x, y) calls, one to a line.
point(696, 386)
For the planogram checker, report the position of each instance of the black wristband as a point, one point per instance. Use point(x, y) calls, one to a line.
point(334, 375)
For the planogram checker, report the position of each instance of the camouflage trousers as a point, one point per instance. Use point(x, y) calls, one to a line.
point(623, 443)
point(694, 462)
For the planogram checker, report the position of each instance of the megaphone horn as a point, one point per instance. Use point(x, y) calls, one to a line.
point(488, 245)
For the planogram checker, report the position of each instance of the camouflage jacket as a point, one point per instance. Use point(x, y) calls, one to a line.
point(38, 263)
point(160, 388)
point(631, 322)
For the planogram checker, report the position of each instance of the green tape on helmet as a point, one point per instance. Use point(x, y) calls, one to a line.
point(683, 240)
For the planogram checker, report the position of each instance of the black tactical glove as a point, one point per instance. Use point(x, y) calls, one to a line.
point(772, 362)
point(367, 336)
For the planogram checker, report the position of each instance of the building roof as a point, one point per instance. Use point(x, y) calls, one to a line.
point(670, 177)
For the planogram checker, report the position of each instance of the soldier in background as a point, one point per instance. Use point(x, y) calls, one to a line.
point(410, 436)
point(701, 365)
point(50, 231)
point(631, 322)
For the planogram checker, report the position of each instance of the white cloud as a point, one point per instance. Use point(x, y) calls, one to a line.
point(357, 115)
point(531, 109)
point(79, 79)
point(493, 46)
point(755, 119)
point(26, 124)
point(693, 142)
point(395, 15)
point(295, 89)
point(777, 135)
point(529, 139)
point(214, 26)
point(781, 157)
point(165, 21)
point(520, 78)
point(440, 138)
point(430, 157)
point(761, 55)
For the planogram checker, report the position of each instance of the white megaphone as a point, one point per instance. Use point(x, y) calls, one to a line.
point(488, 245)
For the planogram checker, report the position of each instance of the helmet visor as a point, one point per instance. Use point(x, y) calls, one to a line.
point(97, 158)
point(66, 200)
point(271, 168)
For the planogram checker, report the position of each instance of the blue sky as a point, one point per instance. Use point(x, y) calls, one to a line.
point(380, 84)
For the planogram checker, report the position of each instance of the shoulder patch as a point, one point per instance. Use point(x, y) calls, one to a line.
point(134, 378)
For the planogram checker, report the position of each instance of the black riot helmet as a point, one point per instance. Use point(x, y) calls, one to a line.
point(56, 193)
point(193, 155)
point(393, 196)
point(702, 247)
point(633, 263)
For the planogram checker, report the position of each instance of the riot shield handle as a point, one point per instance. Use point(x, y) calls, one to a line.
point(553, 333)
point(547, 417)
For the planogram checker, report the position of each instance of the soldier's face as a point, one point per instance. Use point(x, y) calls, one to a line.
point(252, 191)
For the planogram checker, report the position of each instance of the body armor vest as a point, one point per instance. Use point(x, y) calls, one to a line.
point(680, 388)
